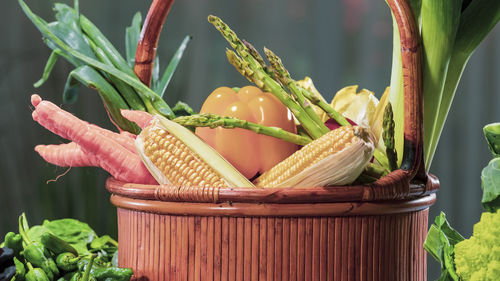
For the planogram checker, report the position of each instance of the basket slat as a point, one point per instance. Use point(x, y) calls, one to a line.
point(367, 247)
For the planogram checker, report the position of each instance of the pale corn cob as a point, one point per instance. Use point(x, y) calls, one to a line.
point(336, 158)
point(175, 156)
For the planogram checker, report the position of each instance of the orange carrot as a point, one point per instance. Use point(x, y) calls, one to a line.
point(119, 161)
point(141, 118)
point(66, 155)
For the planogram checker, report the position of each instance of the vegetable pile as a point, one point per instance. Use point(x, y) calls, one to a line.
point(257, 132)
point(476, 258)
point(64, 249)
point(280, 133)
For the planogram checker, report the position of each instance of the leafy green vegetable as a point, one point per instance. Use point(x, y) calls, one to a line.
point(490, 178)
point(440, 243)
point(76, 233)
point(99, 65)
point(492, 134)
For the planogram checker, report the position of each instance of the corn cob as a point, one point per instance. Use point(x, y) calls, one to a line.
point(336, 158)
point(175, 156)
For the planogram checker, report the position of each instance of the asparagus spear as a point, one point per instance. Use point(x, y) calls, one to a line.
point(213, 121)
point(328, 109)
point(250, 67)
point(256, 55)
point(388, 136)
point(284, 77)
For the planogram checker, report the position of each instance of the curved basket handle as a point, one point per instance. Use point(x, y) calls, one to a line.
point(148, 41)
point(413, 162)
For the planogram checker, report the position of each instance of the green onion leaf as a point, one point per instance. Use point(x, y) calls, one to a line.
point(113, 102)
point(169, 72)
point(48, 68)
point(152, 101)
point(132, 34)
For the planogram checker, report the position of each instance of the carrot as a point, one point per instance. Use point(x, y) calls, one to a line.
point(141, 118)
point(120, 162)
point(66, 155)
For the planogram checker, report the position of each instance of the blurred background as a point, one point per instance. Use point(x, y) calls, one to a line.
point(337, 43)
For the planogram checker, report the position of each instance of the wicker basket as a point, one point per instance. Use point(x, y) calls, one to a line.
point(363, 232)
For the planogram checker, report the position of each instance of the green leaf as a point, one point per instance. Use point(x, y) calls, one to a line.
point(153, 102)
point(76, 233)
point(89, 77)
point(440, 242)
point(155, 73)
point(103, 242)
point(68, 30)
point(440, 21)
point(492, 134)
point(172, 66)
point(36, 232)
point(132, 34)
point(476, 21)
point(182, 109)
point(490, 177)
point(48, 68)
point(128, 94)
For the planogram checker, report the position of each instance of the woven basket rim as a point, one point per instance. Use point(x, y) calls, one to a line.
point(393, 187)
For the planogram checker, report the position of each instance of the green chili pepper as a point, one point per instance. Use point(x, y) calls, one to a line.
point(115, 273)
point(15, 242)
point(35, 252)
point(36, 274)
point(67, 261)
point(67, 276)
point(56, 245)
point(20, 270)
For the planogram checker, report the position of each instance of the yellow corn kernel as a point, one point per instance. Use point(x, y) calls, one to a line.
point(179, 165)
point(317, 150)
point(176, 156)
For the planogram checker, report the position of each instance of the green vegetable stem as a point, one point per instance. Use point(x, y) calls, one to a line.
point(35, 253)
point(86, 276)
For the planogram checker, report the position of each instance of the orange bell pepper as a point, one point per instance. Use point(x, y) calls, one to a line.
point(249, 152)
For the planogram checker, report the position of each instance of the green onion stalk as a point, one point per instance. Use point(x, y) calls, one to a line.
point(100, 66)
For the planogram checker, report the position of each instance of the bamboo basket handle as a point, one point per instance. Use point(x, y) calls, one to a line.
point(412, 163)
point(148, 41)
point(413, 160)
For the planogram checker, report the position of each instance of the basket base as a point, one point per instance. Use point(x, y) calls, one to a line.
point(175, 247)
